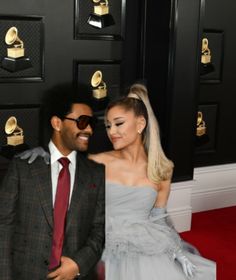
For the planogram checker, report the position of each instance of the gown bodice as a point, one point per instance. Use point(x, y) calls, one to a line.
point(129, 202)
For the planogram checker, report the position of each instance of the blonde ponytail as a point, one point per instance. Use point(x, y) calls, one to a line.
point(160, 168)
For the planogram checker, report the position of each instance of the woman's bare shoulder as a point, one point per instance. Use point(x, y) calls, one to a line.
point(104, 157)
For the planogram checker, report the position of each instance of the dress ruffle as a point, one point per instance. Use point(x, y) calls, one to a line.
point(130, 237)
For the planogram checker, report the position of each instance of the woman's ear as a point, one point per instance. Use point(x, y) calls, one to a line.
point(56, 123)
point(141, 124)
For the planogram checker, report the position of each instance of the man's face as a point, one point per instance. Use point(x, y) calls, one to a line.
point(70, 137)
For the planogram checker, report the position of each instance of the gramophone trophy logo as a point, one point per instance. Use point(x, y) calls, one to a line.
point(99, 86)
point(201, 126)
point(206, 64)
point(15, 59)
point(15, 133)
point(201, 130)
point(15, 139)
point(100, 17)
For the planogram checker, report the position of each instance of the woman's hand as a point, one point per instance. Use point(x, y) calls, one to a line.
point(188, 267)
point(32, 154)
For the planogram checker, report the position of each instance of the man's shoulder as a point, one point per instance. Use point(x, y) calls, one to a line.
point(18, 162)
point(21, 168)
point(23, 163)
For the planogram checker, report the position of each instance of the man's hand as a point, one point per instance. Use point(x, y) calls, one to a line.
point(67, 271)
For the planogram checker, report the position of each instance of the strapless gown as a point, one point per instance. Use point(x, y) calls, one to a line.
point(139, 246)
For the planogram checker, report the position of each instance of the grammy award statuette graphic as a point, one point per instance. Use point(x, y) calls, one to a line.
point(206, 63)
point(15, 59)
point(99, 86)
point(202, 137)
point(15, 132)
point(100, 17)
point(15, 139)
point(201, 126)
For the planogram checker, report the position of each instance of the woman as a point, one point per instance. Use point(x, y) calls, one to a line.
point(140, 244)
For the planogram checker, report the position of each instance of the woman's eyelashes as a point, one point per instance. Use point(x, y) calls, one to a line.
point(108, 126)
point(118, 123)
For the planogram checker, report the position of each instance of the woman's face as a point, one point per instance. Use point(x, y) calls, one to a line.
point(123, 127)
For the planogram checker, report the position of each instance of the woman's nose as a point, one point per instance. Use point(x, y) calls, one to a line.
point(112, 130)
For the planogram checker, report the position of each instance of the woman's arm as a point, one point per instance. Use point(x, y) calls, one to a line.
point(163, 194)
point(159, 210)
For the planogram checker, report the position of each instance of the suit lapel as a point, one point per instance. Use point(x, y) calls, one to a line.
point(42, 173)
point(81, 182)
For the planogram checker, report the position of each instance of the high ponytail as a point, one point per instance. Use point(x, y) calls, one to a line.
point(159, 168)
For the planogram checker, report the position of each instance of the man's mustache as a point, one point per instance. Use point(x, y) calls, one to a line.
point(84, 134)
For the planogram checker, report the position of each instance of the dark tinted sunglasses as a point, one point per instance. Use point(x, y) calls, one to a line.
point(83, 121)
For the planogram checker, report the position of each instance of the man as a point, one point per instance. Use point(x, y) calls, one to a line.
point(38, 240)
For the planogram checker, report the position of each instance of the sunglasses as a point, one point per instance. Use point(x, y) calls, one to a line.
point(83, 121)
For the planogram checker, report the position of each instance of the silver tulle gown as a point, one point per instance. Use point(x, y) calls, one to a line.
point(140, 246)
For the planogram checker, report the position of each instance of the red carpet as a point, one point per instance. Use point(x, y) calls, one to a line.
point(214, 234)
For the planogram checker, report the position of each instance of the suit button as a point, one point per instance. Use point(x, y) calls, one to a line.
point(46, 262)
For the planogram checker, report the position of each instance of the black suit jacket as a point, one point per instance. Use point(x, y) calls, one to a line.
point(26, 219)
